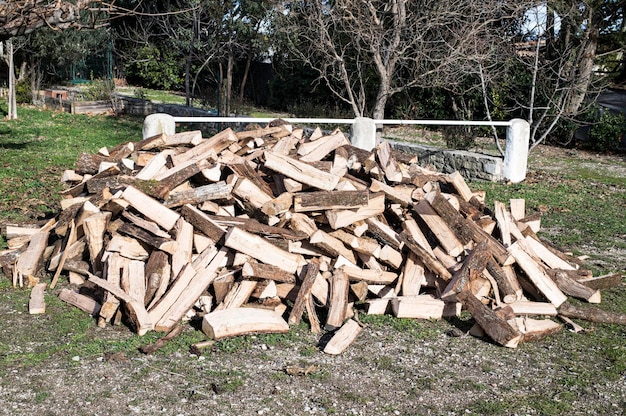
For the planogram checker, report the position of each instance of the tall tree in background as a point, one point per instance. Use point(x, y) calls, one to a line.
point(394, 45)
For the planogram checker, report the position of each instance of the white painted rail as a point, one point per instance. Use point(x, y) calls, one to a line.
point(364, 133)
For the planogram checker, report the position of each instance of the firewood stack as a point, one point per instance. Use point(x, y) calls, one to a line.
point(252, 231)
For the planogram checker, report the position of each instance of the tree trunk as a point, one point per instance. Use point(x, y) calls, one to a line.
point(12, 84)
point(229, 82)
point(244, 79)
point(584, 72)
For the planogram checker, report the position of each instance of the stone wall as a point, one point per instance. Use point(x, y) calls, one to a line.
point(473, 166)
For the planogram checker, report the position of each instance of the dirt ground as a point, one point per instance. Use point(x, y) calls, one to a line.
point(392, 369)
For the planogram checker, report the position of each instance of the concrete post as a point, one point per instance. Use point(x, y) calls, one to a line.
point(516, 151)
point(158, 123)
point(363, 133)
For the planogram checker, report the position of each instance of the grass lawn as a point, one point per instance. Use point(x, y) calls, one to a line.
point(397, 366)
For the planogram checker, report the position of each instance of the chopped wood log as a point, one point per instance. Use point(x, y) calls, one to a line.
point(253, 226)
point(69, 241)
point(157, 272)
point(203, 223)
point(239, 294)
point(151, 208)
point(325, 200)
point(413, 275)
point(398, 194)
point(342, 339)
point(207, 148)
point(184, 239)
point(241, 321)
point(504, 224)
point(313, 151)
point(356, 274)
point(127, 247)
point(537, 276)
point(439, 228)
point(343, 218)
point(279, 205)
point(258, 248)
point(175, 176)
point(94, 228)
point(547, 256)
point(391, 257)
point(387, 162)
point(30, 261)
point(36, 302)
point(591, 314)
point(429, 261)
point(508, 285)
point(472, 269)
point(331, 245)
point(219, 190)
point(524, 307)
point(266, 271)
point(573, 288)
point(456, 180)
point(300, 171)
point(536, 329)
point(310, 274)
point(339, 288)
point(602, 282)
point(497, 328)
point(418, 307)
point(517, 208)
point(82, 302)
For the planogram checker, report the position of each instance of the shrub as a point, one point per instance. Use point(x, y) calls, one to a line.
point(607, 134)
point(459, 137)
point(99, 90)
point(23, 92)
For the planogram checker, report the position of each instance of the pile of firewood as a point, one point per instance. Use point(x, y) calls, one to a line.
point(251, 231)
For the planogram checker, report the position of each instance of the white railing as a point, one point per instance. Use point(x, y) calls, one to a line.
point(364, 133)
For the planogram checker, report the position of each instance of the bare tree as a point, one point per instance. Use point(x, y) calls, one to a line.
point(395, 45)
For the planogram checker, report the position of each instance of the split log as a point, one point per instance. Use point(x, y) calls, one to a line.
point(343, 338)
point(592, 314)
point(36, 302)
point(573, 288)
point(82, 302)
point(300, 171)
point(316, 150)
point(602, 282)
point(30, 261)
point(496, 327)
point(472, 269)
point(266, 271)
point(258, 248)
point(439, 228)
point(419, 307)
point(151, 208)
point(312, 270)
point(219, 190)
point(537, 276)
point(536, 329)
point(533, 308)
point(339, 287)
point(429, 261)
point(241, 321)
point(325, 200)
point(343, 218)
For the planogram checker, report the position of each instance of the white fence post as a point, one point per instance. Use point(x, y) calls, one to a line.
point(516, 151)
point(158, 123)
point(363, 133)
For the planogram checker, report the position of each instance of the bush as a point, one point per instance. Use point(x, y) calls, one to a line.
point(459, 137)
point(608, 133)
point(99, 90)
point(23, 92)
